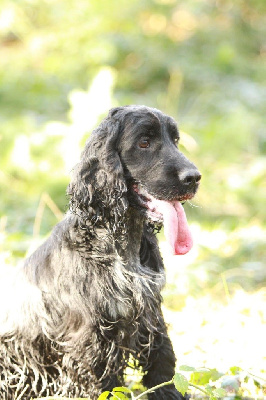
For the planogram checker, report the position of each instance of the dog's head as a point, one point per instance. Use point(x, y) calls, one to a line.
point(149, 153)
point(132, 159)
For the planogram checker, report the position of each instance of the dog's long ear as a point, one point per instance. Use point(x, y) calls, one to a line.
point(98, 189)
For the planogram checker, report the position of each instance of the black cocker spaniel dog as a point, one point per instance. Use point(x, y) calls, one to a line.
point(88, 299)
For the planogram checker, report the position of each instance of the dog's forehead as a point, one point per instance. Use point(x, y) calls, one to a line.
point(138, 117)
point(144, 118)
point(166, 120)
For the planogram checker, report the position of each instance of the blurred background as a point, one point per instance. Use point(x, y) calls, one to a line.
point(64, 63)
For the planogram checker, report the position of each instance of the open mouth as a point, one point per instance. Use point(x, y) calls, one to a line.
point(171, 214)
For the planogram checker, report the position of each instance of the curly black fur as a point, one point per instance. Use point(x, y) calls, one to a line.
point(89, 298)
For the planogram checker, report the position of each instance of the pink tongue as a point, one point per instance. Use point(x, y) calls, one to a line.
point(176, 228)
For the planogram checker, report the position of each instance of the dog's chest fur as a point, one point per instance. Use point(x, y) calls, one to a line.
point(132, 291)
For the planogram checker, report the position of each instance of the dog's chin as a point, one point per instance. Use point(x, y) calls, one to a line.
point(144, 200)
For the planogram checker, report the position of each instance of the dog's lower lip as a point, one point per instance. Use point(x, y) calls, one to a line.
point(145, 197)
point(185, 197)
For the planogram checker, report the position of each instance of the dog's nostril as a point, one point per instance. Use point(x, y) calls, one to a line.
point(190, 177)
point(198, 177)
point(188, 180)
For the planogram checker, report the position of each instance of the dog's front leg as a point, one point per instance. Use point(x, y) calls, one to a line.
point(161, 368)
point(102, 381)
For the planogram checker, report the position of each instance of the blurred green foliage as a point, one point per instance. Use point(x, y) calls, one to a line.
point(64, 63)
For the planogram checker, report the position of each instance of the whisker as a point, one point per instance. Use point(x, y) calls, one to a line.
point(193, 205)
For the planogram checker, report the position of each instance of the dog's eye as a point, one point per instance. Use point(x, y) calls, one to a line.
point(144, 144)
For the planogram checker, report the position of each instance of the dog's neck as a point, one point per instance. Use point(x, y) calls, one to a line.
point(129, 252)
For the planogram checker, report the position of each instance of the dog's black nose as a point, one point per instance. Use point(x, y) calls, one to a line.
point(190, 177)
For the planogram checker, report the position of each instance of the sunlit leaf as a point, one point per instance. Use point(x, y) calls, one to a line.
point(235, 370)
point(181, 383)
point(208, 389)
point(204, 376)
point(104, 395)
point(186, 368)
point(121, 389)
point(119, 396)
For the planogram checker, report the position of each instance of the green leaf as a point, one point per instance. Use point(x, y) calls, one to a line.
point(104, 395)
point(219, 392)
point(208, 389)
point(119, 396)
point(181, 383)
point(186, 368)
point(235, 370)
point(203, 377)
point(204, 370)
point(121, 389)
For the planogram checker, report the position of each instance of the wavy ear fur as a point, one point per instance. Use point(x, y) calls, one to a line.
point(98, 190)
